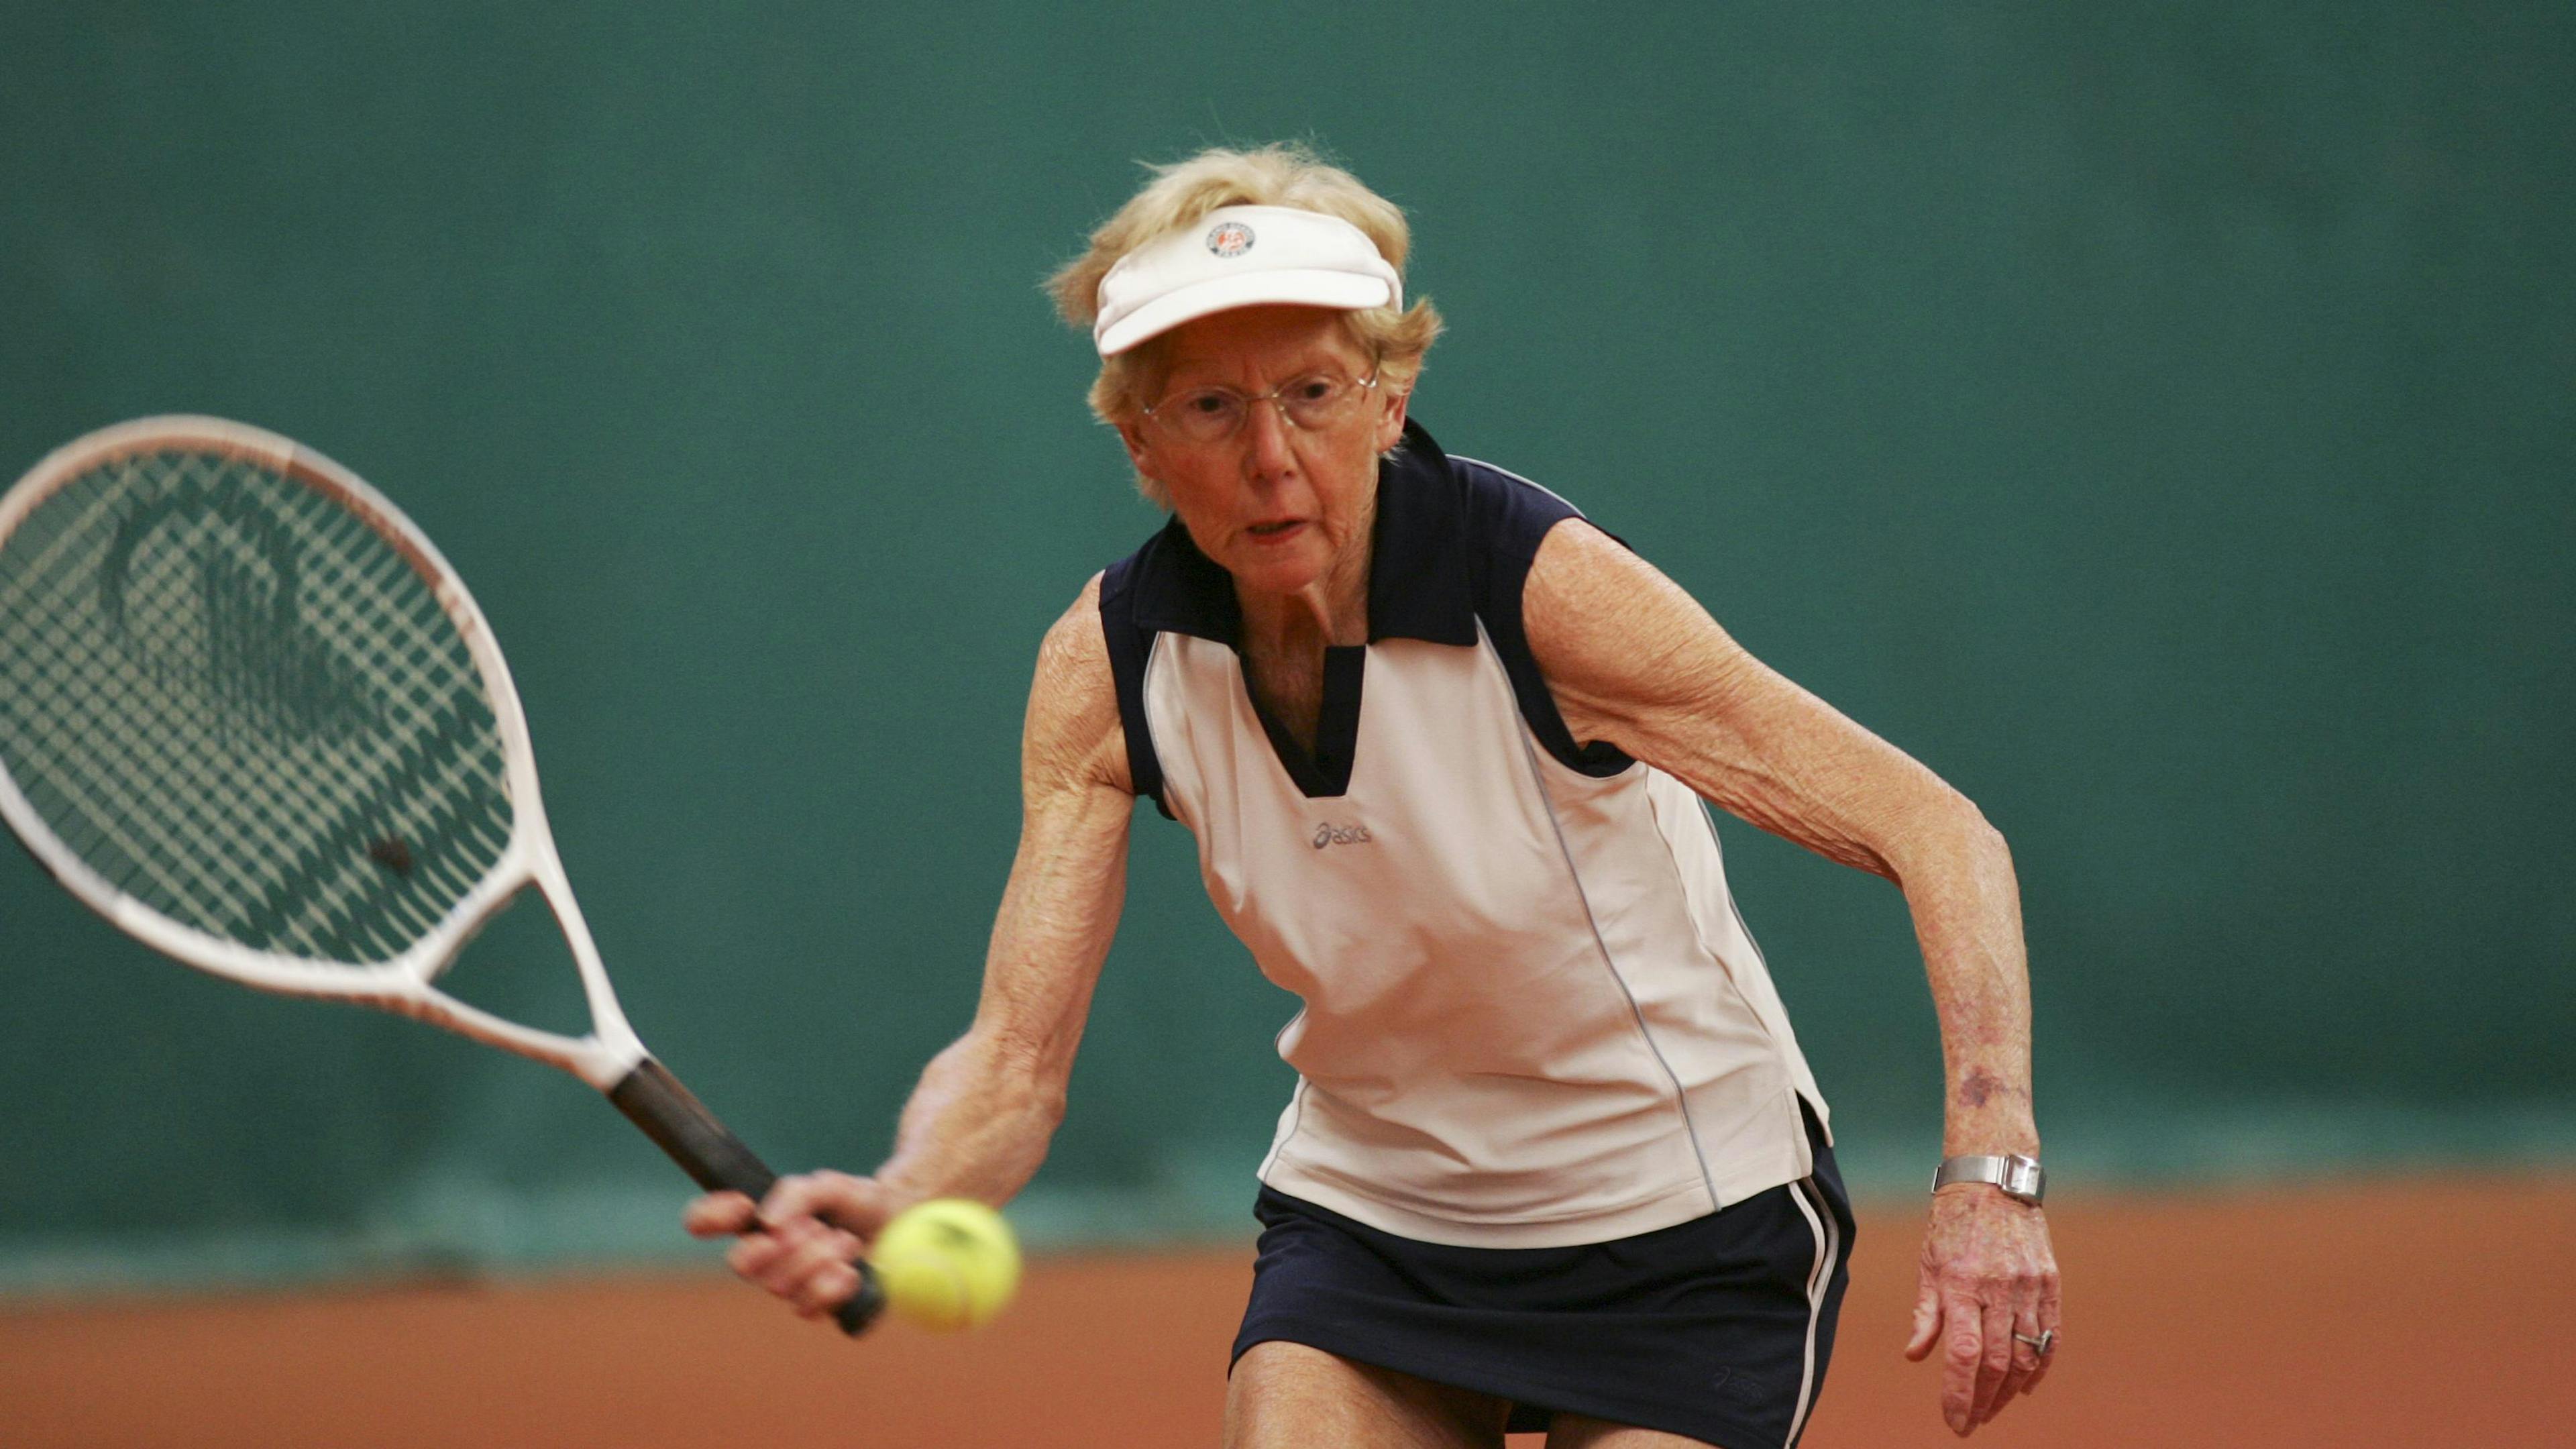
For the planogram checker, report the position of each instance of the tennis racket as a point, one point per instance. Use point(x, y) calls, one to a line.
point(251, 716)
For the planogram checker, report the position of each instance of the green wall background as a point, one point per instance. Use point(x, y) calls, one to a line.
point(2157, 419)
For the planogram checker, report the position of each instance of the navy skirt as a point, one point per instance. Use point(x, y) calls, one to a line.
point(1717, 1329)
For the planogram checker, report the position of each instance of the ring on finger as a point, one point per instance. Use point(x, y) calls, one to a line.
point(2042, 1345)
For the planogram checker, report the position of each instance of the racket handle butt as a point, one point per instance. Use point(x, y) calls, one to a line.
point(856, 1315)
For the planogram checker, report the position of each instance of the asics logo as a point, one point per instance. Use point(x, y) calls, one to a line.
point(1341, 835)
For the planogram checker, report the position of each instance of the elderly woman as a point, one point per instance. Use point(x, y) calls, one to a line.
point(1554, 1158)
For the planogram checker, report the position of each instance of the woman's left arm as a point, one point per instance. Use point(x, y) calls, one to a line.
point(1635, 661)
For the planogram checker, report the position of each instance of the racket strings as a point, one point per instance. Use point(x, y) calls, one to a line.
point(234, 699)
point(199, 750)
point(150, 725)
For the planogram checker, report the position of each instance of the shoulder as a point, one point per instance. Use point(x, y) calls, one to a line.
point(1581, 570)
point(1464, 532)
point(1165, 562)
point(1075, 647)
point(1511, 526)
point(1433, 501)
point(1505, 513)
point(1073, 723)
point(1114, 588)
point(1535, 540)
point(1518, 530)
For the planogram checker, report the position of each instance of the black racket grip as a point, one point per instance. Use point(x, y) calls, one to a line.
point(708, 1151)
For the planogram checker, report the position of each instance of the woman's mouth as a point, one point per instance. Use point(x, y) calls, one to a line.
point(1276, 529)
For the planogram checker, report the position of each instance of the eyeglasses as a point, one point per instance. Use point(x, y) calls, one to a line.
point(1309, 404)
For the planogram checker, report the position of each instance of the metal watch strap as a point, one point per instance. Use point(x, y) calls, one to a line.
point(2020, 1176)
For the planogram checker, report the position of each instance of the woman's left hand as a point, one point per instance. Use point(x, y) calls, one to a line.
point(1989, 1274)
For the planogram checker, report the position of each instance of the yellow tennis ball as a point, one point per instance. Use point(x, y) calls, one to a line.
point(947, 1264)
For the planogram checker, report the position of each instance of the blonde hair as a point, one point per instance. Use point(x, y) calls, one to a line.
point(1283, 174)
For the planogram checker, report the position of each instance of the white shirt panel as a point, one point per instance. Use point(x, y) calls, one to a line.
point(1530, 1017)
point(1737, 1071)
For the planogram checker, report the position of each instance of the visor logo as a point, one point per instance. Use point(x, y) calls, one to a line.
point(1341, 835)
point(1229, 239)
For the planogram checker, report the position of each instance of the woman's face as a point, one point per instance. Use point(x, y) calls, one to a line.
point(1275, 505)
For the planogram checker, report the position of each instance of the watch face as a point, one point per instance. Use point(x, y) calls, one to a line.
point(2022, 1177)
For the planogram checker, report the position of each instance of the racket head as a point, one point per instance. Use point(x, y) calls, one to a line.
point(252, 716)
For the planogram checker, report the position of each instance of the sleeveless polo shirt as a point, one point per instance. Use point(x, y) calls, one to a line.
point(1532, 1014)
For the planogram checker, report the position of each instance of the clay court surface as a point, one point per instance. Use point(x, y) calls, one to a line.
point(2324, 1316)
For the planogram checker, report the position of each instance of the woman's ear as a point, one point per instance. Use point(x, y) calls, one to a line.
point(1390, 427)
point(1138, 450)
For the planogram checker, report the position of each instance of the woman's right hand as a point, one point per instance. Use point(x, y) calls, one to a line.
point(801, 1241)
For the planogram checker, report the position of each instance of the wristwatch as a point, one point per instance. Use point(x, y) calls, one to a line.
point(2019, 1175)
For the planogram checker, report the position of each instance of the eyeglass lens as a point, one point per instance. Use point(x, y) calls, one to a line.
point(1208, 414)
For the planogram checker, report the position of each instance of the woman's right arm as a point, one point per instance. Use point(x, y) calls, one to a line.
point(979, 1122)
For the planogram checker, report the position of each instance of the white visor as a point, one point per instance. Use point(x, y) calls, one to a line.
point(1241, 256)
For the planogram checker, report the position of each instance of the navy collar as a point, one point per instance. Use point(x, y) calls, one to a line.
point(1419, 586)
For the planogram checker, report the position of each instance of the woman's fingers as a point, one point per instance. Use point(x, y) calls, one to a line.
point(801, 1241)
point(1927, 1317)
point(1998, 1378)
point(2026, 1361)
point(2045, 1315)
point(1963, 1354)
point(751, 1256)
point(827, 1288)
point(859, 1204)
point(718, 1215)
point(803, 1260)
point(814, 1273)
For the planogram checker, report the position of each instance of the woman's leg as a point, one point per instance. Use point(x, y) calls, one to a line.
point(1288, 1396)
